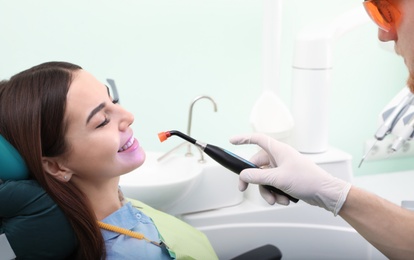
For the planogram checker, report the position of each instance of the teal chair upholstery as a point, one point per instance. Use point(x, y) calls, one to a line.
point(34, 225)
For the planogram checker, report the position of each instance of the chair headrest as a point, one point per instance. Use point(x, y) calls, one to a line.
point(12, 165)
point(35, 226)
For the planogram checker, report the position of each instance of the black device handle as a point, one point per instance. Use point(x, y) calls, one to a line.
point(236, 164)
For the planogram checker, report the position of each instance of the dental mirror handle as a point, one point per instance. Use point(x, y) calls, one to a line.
point(235, 164)
point(390, 121)
point(406, 135)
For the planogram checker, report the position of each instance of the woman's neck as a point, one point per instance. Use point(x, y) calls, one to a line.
point(104, 197)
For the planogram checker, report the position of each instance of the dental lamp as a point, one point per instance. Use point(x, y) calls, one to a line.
point(312, 68)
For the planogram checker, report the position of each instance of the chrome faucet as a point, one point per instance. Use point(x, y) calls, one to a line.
point(190, 118)
point(114, 93)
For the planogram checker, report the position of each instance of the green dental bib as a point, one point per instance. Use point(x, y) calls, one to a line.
point(183, 240)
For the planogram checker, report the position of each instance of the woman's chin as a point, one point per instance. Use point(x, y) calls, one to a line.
point(139, 157)
point(134, 160)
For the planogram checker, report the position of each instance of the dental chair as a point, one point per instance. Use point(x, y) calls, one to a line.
point(266, 252)
point(32, 226)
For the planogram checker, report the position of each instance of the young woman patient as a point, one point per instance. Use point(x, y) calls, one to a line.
point(77, 142)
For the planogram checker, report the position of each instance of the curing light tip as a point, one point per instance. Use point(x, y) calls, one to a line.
point(163, 136)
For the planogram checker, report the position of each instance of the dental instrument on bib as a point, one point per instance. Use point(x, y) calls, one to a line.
point(227, 159)
point(390, 121)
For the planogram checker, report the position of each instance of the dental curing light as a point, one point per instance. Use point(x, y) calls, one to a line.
point(227, 159)
point(12, 165)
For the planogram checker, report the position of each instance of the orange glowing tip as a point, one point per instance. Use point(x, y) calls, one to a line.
point(163, 136)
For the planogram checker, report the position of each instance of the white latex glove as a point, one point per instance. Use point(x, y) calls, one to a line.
point(292, 173)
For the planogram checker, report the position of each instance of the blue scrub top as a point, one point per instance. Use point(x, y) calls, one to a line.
point(119, 246)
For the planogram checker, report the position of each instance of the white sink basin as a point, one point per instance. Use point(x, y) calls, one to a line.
point(162, 184)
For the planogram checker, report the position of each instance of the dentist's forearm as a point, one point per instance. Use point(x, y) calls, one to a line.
point(385, 225)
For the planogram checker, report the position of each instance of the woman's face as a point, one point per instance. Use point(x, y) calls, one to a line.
point(100, 140)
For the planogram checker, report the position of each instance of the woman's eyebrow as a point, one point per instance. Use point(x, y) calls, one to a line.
point(95, 111)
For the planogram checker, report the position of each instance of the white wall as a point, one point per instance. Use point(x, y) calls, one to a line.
point(164, 53)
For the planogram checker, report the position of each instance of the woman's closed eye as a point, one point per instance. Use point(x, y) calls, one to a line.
point(106, 119)
point(104, 123)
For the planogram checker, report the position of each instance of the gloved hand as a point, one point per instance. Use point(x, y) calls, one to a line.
point(292, 173)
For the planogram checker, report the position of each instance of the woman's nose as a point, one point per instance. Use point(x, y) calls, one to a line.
point(126, 119)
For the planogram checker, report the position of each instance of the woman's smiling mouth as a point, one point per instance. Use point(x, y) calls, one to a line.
point(127, 145)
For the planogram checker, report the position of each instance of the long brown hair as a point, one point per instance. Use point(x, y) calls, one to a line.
point(32, 109)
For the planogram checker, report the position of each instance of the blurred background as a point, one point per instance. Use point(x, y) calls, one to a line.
point(164, 53)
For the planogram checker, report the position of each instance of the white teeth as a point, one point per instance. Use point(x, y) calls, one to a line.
point(127, 145)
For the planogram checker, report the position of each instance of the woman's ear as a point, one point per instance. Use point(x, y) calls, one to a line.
point(54, 168)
